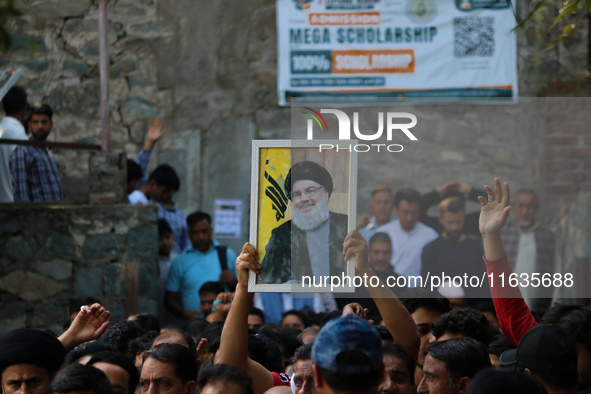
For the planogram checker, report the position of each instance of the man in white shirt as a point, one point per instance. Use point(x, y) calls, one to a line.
point(408, 235)
point(530, 247)
point(14, 105)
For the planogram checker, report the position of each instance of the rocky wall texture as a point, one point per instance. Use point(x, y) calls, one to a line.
point(89, 176)
point(50, 254)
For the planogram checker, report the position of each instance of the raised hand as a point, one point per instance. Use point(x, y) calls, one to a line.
point(248, 259)
point(495, 210)
point(155, 132)
point(355, 246)
point(90, 323)
point(355, 309)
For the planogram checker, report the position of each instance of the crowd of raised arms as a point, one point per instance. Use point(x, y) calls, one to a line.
point(212, 335)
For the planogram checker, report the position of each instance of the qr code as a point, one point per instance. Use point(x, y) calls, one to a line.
point(474, 36)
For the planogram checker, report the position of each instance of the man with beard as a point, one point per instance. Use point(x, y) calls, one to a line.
point(530, 247)
point(455, 253)
point(313, 227)
point(35, 174)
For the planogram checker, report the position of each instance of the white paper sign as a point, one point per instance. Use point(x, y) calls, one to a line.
point(227, 218)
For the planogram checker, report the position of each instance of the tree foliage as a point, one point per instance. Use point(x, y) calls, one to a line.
point(570, 15)
point(8, 10)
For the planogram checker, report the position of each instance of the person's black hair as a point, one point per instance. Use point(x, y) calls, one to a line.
point(499, 344)
point(77, 303)
point(273, 356)
point(299, 315)
point(186, 336)
point(466, 321)
point(120, 361)
point(395, 350)
point(257, 350)
point(574, 318)
point(285, 340)
point(348, 382)
point(257, 312)
point(330, 316)
point(77, 377)
point(87, 349)
point(226, 376)
point(302, 353)
point(143, 343)
point(452, 205)
point(163, 227)
point(316, 318)
point(185, 364)
point(134, 171)
point(198, 216)
point(380, 237)
point(147, 322)
point(385, 335)
point(409, 195)
point(121, 334)
point(462, 357)
point(504, 381)
point(165, 175)
point(486, 307)
point(419, 298)
point(14, 100)
point(212, 333)
point(195, 327)
point(455, 194)
point(41, 109)
point(212, 287)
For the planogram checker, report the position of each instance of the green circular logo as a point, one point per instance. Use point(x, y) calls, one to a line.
point(422, 11)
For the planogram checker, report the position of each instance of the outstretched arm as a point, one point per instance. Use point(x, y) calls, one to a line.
point(155, 132)
point(234, 341)
point(395, 315)
point(90, 323)
point(515, 319)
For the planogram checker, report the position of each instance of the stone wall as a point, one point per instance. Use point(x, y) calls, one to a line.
point(52, 253)
point(90, 176)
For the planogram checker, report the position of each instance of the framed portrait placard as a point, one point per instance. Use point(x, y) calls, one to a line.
point(303, 204)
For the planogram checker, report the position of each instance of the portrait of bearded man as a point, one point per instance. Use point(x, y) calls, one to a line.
point(311, 243)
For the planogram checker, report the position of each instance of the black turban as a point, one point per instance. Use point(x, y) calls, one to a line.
point(28, 346)
point(310, 171)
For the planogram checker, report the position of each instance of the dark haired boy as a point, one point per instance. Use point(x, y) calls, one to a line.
point(35, 173)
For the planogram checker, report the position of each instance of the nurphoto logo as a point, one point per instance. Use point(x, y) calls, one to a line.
point(394, 124)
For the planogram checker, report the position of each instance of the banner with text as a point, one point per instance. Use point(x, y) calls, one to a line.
point(363, 49)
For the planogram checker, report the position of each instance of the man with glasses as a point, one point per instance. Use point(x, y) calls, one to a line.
point(311, 244)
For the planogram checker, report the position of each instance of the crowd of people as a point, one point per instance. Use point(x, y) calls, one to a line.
point(212, 335)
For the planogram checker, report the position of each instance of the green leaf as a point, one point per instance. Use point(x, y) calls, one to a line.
point(531, 15)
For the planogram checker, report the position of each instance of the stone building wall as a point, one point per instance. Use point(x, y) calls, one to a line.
point(52, 253)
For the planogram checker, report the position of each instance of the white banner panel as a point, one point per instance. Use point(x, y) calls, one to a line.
point(395, 48)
